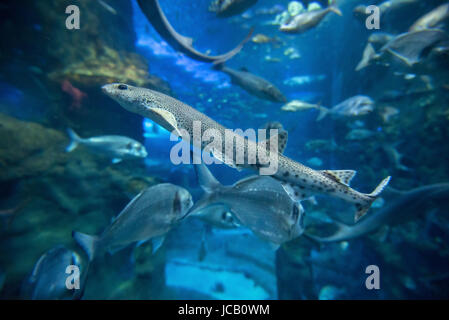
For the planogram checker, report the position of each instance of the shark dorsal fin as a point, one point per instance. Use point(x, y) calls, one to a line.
point(167, 118)
point(342, 176)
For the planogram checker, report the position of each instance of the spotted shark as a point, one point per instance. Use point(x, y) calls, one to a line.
point(182, 120)
point(152, 10)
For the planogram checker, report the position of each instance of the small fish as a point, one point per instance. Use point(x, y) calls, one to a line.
point(352, 107)
point(259, 203)
point(150, 215)
point(432, 19)
point(307, 20)
point(409, 47)
point(298, 105)
point(359, 134)
point(48, 278)
point(388, 113)
point(107, 7)
point(116, 147)
point(253, 84)
point(228, 8)
point(302, 80)
point(315, 162)
point(261, 38)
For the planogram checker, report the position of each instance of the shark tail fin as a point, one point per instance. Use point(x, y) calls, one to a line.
point(323, 113)
point(74, 140)
point(87, 242)
point(363, 207)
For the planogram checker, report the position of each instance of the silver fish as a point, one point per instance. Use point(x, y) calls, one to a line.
point(178, 117)
point(228, 8)
point(307, 20)
point(406, 207)
point(355, 106)
point(48, 278)
point(259, 203)
point(432, 19)
point(150, 215)
point(116, 147)
point(253, 84)
point(359, 134)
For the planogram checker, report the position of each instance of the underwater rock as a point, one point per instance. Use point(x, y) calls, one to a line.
point(28, 149)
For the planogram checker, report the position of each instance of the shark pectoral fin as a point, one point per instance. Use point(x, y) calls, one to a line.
point(342, 176)
point(294, 193)
point(167, 120)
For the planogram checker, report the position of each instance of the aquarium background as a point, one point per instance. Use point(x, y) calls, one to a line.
point(50, 80)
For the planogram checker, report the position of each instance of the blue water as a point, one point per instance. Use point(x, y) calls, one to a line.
point(48, 193)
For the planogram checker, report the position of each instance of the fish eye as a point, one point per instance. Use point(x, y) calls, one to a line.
point(122, 87)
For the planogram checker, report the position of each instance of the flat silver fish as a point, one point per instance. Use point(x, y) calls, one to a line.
point(48, 278)
point(116, 147)
point(307, 20)
point(150, 215)
point(352, 107)
point(178, 117)
point(253, 84)
point(259, 203)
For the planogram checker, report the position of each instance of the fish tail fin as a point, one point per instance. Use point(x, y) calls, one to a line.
point(74, 140)
point(323, 113)
point(87, 242)
point(206, 179)
point(362, 208)
point(335, 10)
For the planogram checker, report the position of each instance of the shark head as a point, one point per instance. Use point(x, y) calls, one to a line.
point(131, 98)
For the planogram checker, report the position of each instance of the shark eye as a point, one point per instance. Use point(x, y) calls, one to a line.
point(122, 87)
